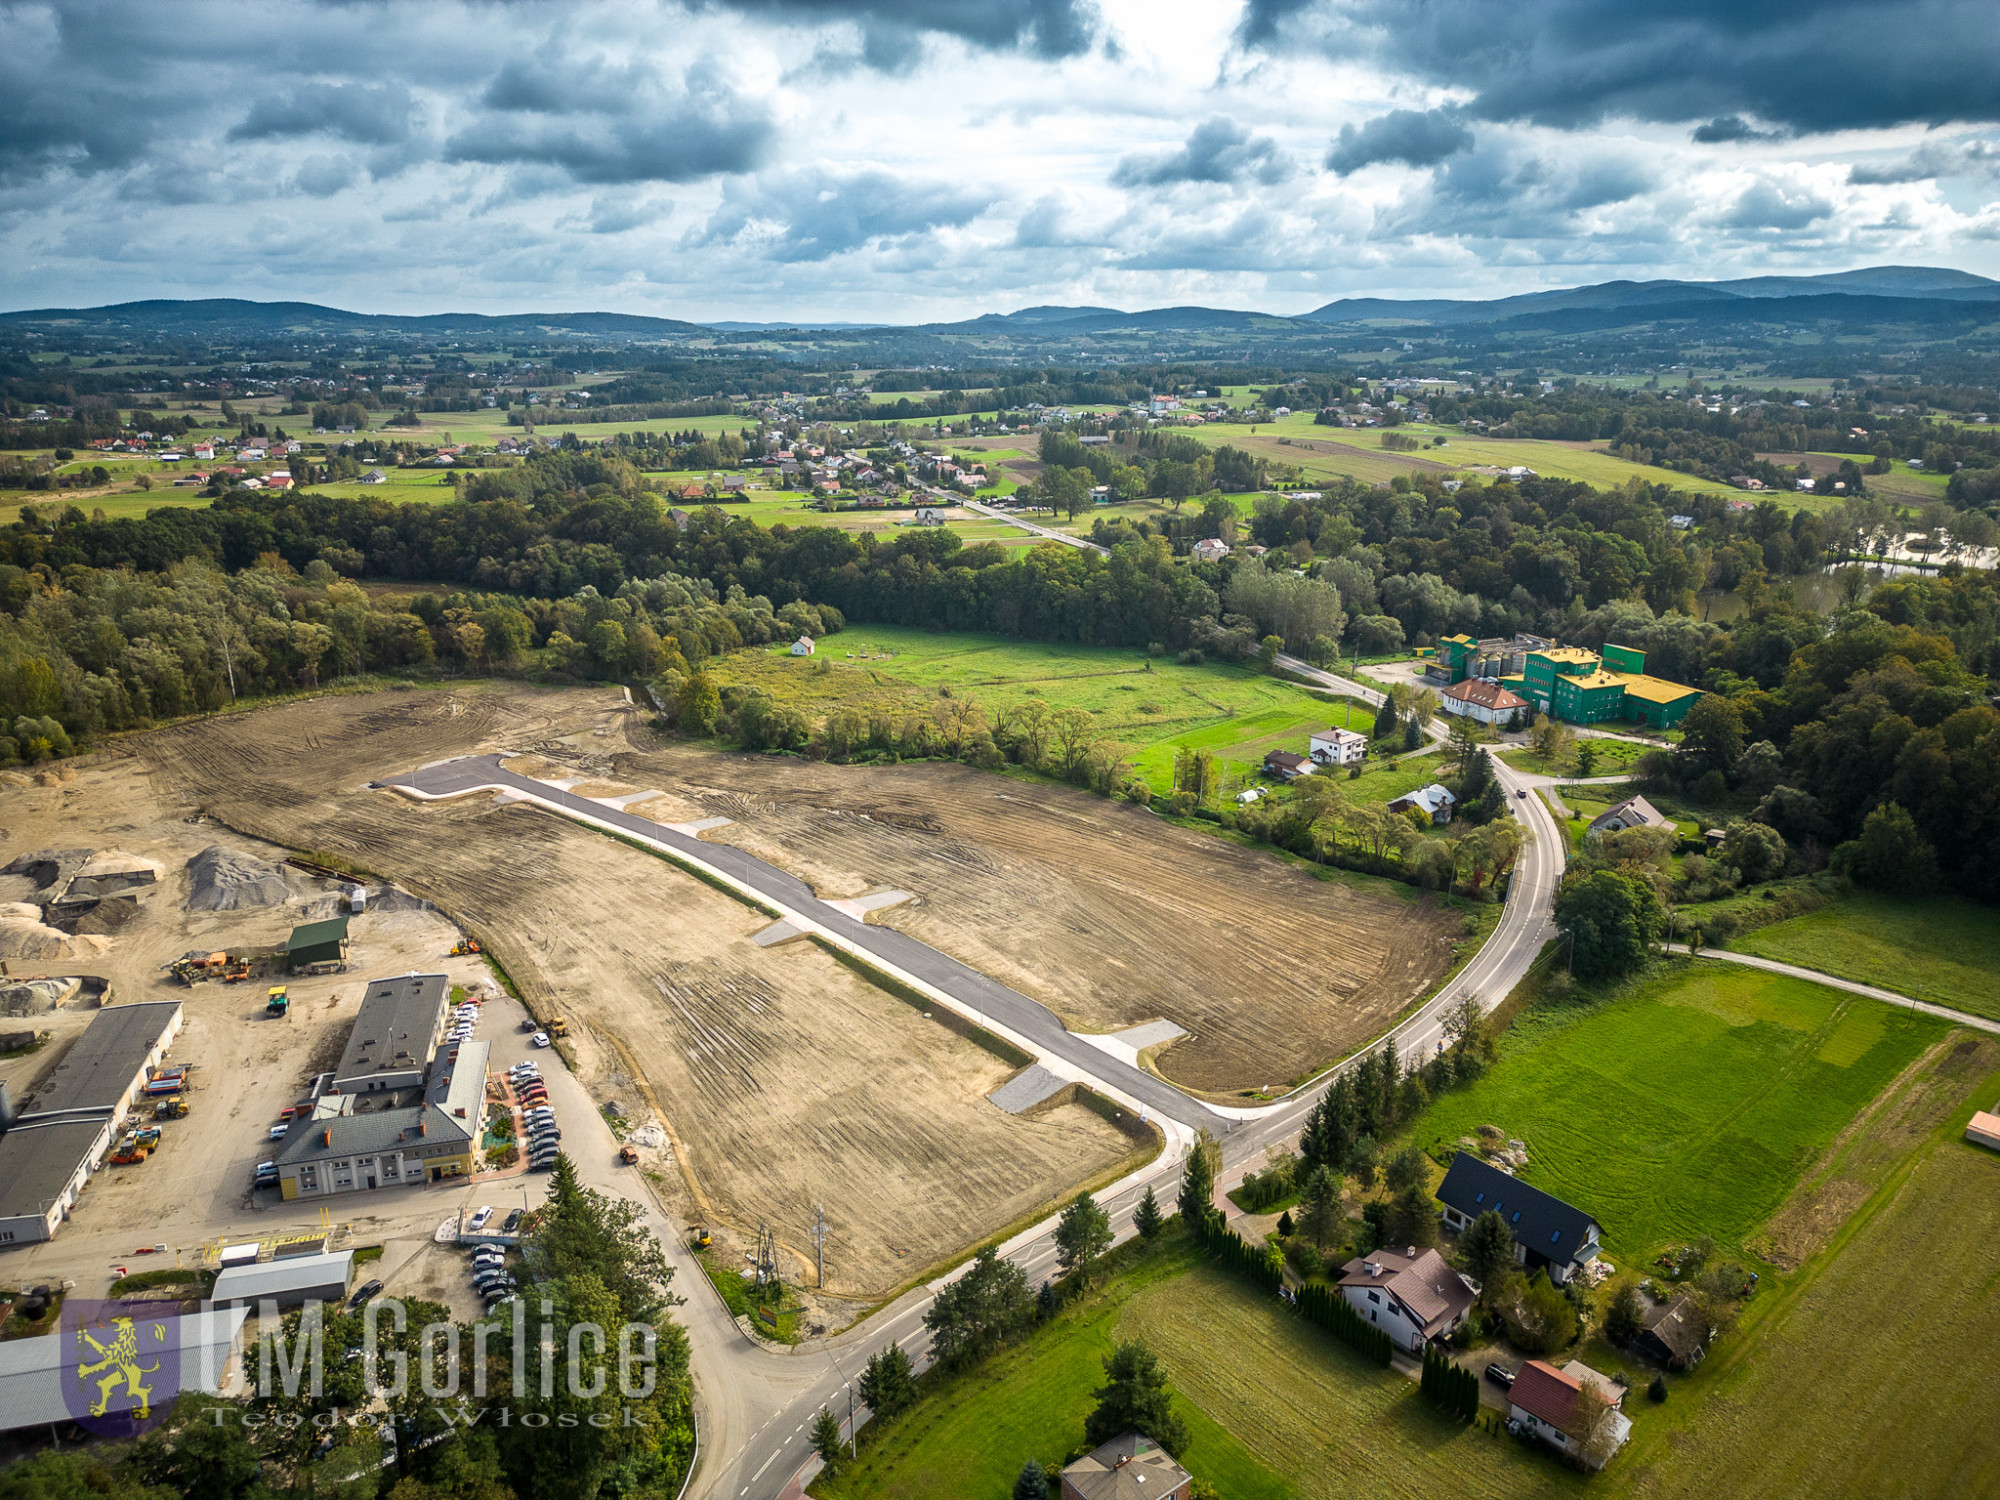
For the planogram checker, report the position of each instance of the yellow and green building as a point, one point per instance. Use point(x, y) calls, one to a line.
point(1586, 687)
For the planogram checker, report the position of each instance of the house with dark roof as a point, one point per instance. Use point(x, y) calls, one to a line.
point(1129, 1467)
point(1287, 765)
point(1411, 1294)
point(1548, 1233)
point(1672, 1334)
point(1633, 812)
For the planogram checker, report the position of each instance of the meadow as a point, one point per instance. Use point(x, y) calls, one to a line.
point(1940, 948)
point(1150, 704)
point(1332, 1426)
point(1861, 1378)
point(1687, 1104)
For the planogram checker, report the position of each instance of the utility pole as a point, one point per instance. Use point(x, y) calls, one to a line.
point(820, 1226)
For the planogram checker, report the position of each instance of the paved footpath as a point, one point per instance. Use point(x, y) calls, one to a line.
point(1887, 997)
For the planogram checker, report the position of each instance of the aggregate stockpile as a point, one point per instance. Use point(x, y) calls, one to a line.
point(222, 880)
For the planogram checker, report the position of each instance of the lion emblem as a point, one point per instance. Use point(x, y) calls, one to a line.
point(117, 1366)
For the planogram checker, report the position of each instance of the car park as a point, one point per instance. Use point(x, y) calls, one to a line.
point(513, 1221)
point(524, 1067)
point(479, 1217)
point(488, 1255)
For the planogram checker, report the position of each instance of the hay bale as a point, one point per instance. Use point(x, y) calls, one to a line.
point(222, 880)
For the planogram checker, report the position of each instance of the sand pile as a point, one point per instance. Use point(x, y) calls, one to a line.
point(24, 935)
point(37, 997)
point(222, 880)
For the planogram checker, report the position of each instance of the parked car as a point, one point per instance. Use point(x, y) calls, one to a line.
point(488, 1255)
point(478, 1220)
point(278, 1132)
point(540, 1039)
point(512, 1221)
point(1501, 1376)
point(529, 1066)
point(363, 1292)
point(534, 1093)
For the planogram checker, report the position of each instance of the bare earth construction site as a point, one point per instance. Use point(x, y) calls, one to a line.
point(782, 1077)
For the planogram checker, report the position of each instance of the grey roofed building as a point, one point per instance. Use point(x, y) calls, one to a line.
point(1672, 1334)
point(1129, 1467)
point(1547, 1231)
point(344, 1145)
point(32, 1370)
point(400, 1023)
point(296, 1279)
point(51, 1141)
point(1633, 812)
point(105, 1066)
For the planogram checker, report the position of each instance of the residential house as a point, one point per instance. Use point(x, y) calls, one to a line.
point(374, 476)
point(1129, 1467)
point(1633, 812)
point(1984, 1130)
point(1680, 523)
point(1211, 549)
point(1434, 801)
point(1338, 747)
point(1549, 1234)
point(1550, 1403)
point(1672, 1335)
point(1411, 1294)
point(1287, 766)
point(803, 646)
point(1487, 702)
point(681, 519)
point(278, 479)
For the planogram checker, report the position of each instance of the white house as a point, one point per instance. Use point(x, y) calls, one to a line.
point(1476, 698)
point(1434, 800)
point(1412, 1295)
point(1339, 747)
point(803, 646)
point(1550, 1403)
point(1211, 549)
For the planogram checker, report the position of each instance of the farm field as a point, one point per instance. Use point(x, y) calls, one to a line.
point(1862, 1379)
point(1103, 912)
point(1940, 948)
point(781, 1077)
point(117, 505)
point(1328, 1426)
point(1690, 1103)
point(1149, 704)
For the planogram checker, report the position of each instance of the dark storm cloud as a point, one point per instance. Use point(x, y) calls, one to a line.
point(1415, 138)
point(1217, 150)
point(812, 215)
point(368, 114)
point(1725, 129)
point(676, 145)
point(1814, 65)
point(893, 31)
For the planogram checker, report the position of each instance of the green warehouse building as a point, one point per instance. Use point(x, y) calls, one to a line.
point(1583, 687)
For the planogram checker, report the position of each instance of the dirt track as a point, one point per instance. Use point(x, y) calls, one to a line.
point(784, 1078)
point(1101, 911)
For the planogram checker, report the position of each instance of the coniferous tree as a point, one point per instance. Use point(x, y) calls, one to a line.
point(826, 1439)
point(1032, 1484)
point(1198, 1181)
point(1146, 1218)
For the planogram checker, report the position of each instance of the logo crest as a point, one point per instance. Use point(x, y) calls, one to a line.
point(120, 1364)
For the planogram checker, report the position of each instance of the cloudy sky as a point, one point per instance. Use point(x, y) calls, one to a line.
point(903, 160)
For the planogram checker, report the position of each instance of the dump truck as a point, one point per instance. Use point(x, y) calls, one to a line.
point(277, 1002)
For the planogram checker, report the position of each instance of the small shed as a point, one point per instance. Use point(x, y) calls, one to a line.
point(1984, 1130)
point(289, 1282)
point(317, 943)
point(803, 646)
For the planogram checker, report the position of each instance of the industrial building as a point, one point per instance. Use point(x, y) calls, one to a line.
point(51, 1142)
point(356, 1141)
point(290, 1282)
point(1564, 682)
point(399, 1026)
point(207, 1357)
point(317, 945)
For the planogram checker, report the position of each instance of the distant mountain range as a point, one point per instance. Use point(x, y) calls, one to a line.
point(1874, 297)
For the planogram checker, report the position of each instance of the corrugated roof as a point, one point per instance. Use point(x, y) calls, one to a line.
point(32, 1370)
point(101, 1064)
point(314, 934)
point(274, 1278)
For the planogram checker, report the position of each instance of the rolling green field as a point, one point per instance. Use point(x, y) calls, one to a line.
point(1687, 1105)
point(1326, 1426)
point(1941, 948)
point(1147, 703)
point(1861, 1379)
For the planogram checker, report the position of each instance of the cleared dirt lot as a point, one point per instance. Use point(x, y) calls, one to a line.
point(783, 1078)
point(1102, 912)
